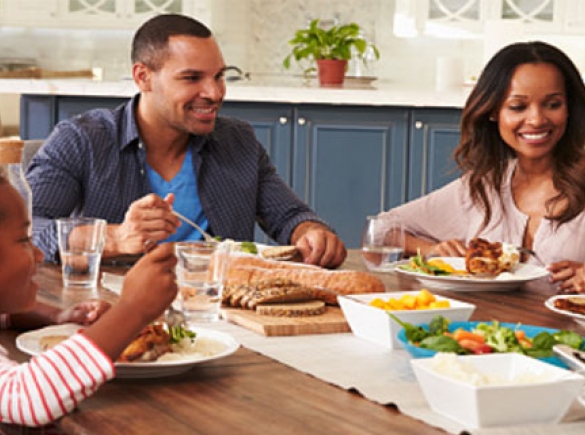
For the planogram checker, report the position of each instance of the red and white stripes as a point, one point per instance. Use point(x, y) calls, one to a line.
point(51, 384)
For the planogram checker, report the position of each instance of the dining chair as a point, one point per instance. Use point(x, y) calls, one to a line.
point(30, 149)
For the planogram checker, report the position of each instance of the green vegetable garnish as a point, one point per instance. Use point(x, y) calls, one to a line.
point(177, 333)
point(414, 334)
point(443, 343)
point(249, 247)
point(418, 263)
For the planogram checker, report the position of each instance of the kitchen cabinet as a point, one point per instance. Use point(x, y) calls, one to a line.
point(350, 162)
point(434, 135)
point(463, 18)
point(39, 114)
point(119, 14)
point(346, 162)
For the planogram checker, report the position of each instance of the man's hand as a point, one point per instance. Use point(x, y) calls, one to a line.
point(318, 245)
point(148, 218)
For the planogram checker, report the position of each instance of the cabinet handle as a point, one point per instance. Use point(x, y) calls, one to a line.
point(302, 121)
point(418, 125)
point(283, 120)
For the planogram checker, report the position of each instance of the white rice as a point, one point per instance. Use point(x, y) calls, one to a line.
point(193, 349)
point(449, 365)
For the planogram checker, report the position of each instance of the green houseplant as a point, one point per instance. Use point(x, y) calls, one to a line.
point(328, 48)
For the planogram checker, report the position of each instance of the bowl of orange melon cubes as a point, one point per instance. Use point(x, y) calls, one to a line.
point(367, 314)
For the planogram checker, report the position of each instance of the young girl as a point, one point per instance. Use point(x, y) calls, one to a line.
point(52, 384)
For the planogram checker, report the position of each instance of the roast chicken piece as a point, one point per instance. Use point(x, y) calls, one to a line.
point(490, 259)
point(574, 305)
point(152, 342)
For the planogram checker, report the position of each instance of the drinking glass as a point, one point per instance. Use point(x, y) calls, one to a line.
point(81, 242)
point(382, 242)
point(201, 269)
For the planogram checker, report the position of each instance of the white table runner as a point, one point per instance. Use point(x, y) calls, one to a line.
point(380, 375)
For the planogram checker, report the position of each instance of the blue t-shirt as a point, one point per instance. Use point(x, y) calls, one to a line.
point(184, 186)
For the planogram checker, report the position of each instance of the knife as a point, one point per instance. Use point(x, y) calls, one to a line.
point(574, 358)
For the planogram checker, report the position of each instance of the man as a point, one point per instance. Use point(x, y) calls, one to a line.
point(167, 149)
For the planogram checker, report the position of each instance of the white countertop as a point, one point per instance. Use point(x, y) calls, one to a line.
point(264, 89)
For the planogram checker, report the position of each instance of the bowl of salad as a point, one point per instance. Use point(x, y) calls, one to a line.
point(476, 338)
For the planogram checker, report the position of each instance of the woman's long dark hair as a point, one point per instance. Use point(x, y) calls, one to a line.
point(483, 156)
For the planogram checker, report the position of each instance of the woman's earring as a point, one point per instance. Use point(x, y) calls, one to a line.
point(492, 119)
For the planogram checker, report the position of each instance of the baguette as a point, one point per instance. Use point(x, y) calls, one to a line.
point(249, 271)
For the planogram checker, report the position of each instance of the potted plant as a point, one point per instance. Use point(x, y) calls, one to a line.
point(330, 48)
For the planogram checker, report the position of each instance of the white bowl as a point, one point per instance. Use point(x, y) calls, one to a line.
point(546, 400)
point(374, 324)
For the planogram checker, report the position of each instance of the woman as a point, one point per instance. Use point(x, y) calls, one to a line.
point(522, 161)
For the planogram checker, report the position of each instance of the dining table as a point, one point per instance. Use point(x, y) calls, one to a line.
point(254, 391)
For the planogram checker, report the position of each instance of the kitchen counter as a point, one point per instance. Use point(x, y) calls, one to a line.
point(267, 89)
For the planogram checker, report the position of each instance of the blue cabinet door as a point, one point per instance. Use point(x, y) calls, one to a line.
point(434, 135)
point(272, 125)
point(68, 107)
point(37, 116)
point(349, 162)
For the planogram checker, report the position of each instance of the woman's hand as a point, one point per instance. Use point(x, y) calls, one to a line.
point(84, 313)
point(569, 275)
point(448, 248)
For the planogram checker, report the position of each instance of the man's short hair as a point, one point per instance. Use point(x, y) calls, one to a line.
point(150, 43)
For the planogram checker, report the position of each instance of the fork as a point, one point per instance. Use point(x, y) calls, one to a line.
point(206, 236)
point(532, 253)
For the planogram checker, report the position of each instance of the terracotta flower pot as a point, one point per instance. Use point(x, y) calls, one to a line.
point(331, 71)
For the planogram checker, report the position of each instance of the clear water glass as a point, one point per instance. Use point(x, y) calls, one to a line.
point(201, 269)
point(81, 242)
point(383, 242)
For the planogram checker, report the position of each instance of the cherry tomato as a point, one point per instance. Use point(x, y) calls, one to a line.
point(484, 348)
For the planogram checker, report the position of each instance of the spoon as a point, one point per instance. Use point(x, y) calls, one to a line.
point(206, 236)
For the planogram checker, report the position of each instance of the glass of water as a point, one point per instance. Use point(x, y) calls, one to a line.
point(383, 242)
point(201, 269)
point(81, 242)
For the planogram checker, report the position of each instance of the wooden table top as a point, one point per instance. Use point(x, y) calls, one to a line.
point(248, 393)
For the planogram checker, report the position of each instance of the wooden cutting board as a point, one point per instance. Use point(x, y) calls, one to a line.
point(331, 321)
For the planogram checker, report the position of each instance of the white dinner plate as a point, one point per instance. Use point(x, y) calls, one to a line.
point(550, 304)
point(521, 274)
point(214, 343)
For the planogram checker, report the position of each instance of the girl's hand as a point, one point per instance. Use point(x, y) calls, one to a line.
point(150, 286)
point(84, 313)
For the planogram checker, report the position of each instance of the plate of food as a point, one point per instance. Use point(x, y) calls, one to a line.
point(486, 267)
point(461, 280)
point(172, 359)
point(568, 305)
point(486, 337)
